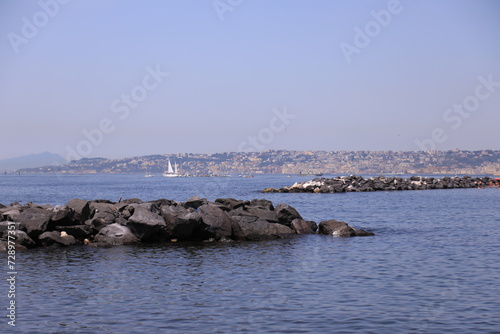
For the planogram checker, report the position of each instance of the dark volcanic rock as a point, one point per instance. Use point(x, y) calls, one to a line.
point(336, 228)
point(286, 214)
point(80, 208)
point(147, 224)
point(263, 203)
point(21, 238)
point(35, 220)
point(260, 230)
point(116, 234)
point(57, 238)
point(4, 226)
point(195, 202)
point(215, 223)
point(11, 214)
point(102, 214)
point(80, 232)
point(180, 222)
point(231, 203)
point(133, 221)
point(363, 233)
point(63, 215)
point(300, 226)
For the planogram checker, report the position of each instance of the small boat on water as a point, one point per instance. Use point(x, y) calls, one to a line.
point(310, 174)
point(149, 175)
point(171, 172)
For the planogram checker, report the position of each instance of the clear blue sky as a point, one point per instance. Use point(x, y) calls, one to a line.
point(232, 64)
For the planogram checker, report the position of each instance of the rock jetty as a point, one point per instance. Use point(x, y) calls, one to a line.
point(132, 221)
point(355, 183)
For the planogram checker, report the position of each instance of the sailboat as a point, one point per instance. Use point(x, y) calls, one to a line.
point(171, 172)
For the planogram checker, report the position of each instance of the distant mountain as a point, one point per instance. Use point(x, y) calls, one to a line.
point(31, 161)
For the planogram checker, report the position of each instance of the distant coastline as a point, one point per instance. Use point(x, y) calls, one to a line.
point(456, 162)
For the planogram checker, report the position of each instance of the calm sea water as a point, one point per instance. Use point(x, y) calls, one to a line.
point(432, 268)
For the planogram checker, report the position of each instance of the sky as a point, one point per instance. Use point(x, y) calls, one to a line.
point(109, 78)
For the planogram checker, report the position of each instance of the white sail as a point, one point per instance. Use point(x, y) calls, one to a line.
point(170, 170)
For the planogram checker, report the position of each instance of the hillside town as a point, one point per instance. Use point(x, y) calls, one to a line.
point(485, 162)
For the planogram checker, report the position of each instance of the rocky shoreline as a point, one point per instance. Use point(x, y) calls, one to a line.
point(132, 221)
point(355, 183)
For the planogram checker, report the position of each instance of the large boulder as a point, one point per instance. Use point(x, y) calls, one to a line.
point(286, 214)
point(11, 214)
point(116, 234)
point(147, 224)
point(102, 214)
point(36, 221)
point(229, 204)
point(300, 226)
point(336, 228)
point(263, 203)
point(57, 238)
point(20, 238)
point(62, 216)
point(256, 212)
point(259, 229)
point(4, 226)
point(215, 223)
point(4, 246)
point(180, 222)
point(195, 202)
point(80, 232)
point(81, 209)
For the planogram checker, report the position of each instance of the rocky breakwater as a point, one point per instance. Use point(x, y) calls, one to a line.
point(132, 221)
point(355, 183)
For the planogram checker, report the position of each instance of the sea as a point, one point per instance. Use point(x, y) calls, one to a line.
point(433, 266)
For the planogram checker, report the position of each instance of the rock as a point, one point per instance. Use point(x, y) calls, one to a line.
point(336, 228)
point(263, 203)
point(312, 225)
point(36, 221)
point(63, 215)
point(164, 202)
point(131, 201)
point(180, 222)
point(80, 208)
point(55, 238)
point(260, 212)
point(146, 224)
point(4, 246)
point(286, 214)
point(300, 226)
point(11, 214)
point(20, 238)
point(363, 233)
point(195, 202)
point(260, 230)
point(4, 226)
point(80, 232)
point(102, 214)
point(231, 203)
point(2, 206)
point(116, 234)
point(215, 223)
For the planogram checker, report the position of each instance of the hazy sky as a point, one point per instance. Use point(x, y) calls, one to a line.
point(90, 77)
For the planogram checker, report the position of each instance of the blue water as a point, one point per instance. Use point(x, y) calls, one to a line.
point(432, 268)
